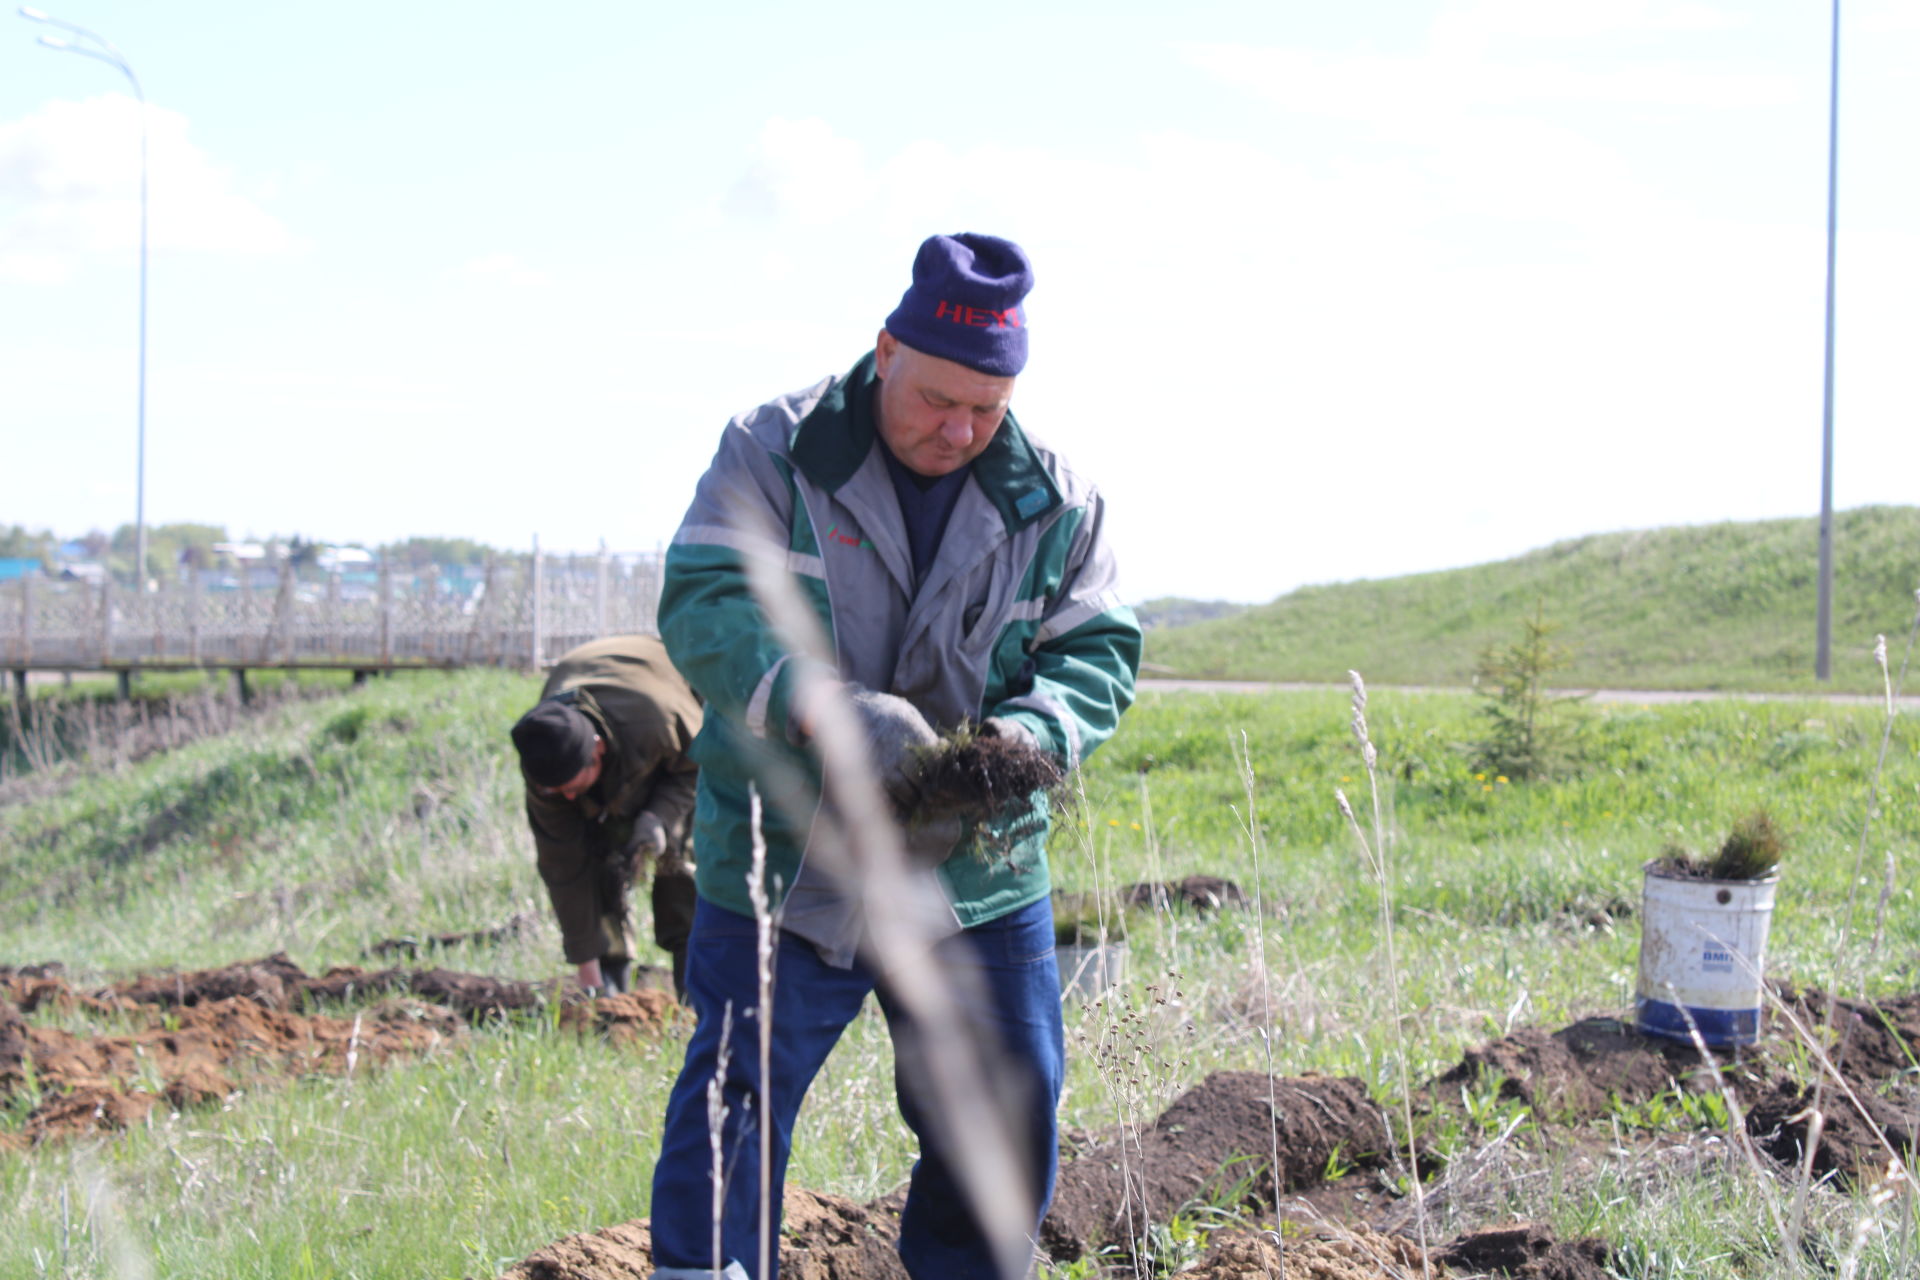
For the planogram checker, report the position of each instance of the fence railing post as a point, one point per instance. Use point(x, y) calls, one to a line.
point(26, 619)
point(193, 615)
point(539, 607)
point(106, 621)
point(243, 636)
point(153, 601)
point(283, 611)
point(600, 593)
point(386, 612)
point(430, 613)
point(336, 643)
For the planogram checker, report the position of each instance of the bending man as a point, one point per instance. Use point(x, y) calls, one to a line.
point(610, 788)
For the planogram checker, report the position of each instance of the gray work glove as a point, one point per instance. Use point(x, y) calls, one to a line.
point(649, 837)
point(1010, 729)
point(895, 731)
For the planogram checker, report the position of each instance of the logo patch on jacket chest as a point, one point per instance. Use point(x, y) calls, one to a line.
point(849, 539)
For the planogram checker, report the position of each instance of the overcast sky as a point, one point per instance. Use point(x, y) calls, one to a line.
point(1325, 291)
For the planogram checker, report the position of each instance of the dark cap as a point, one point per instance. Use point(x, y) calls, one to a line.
point(555, 742)
point(965, 303)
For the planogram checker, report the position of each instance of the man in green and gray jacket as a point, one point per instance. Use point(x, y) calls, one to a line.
point(960, 572)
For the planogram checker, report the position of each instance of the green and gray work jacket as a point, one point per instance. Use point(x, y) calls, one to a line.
point(648, 717)
point(1018, 616)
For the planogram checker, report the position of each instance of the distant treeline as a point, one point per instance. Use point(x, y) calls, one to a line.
point(172, 545)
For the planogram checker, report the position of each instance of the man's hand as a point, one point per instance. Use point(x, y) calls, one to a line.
point(895, 730)
point(1010, 730)
point(649, 837)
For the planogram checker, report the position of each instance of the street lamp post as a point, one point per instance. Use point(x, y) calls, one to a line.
point(1823, 605)
point(102, 51)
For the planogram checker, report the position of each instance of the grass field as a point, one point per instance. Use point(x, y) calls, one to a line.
point(320, 827)
point(1724, 606)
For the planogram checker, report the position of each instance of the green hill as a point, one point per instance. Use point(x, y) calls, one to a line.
point(1724, 606)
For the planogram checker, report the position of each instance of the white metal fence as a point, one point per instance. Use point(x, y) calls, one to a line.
point(520, 612)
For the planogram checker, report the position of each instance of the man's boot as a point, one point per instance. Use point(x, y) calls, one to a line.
point(613, 974)
point(680, 973)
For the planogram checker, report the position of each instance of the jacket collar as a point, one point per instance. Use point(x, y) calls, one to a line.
point(834, 439)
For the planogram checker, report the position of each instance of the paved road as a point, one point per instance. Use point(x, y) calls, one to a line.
point(1164, 685)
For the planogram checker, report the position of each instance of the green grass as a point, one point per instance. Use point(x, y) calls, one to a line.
point(323, 826)
point(1724, 606)
point(66, 722)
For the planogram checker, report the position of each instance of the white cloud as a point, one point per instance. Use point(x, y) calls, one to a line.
point(802, 171)
point(500, 269)
point(1428, 92)
point(1564, 20)
point(1881, 16)
point(70, 191)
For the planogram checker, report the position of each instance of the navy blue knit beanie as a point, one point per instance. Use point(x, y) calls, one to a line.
point(964, 303)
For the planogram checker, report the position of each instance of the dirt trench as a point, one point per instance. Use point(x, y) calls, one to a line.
point(190, 1039)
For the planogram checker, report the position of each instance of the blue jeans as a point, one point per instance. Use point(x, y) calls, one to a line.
point(1015, 1004)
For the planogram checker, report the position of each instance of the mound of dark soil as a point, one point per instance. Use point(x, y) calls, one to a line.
point(1572, 1075)
point(517, 926)
point(1359, 1253)
point(275, 982)
point(1855, 1145)
point(1878, 1039)
point(1580, 1073)
point(1219, 1134)
point(634, 1015)
point(822, 1237)
point(622, 1252)
point(1201, 893)
point(1528, 1250)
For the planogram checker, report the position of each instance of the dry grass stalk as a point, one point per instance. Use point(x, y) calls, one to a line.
point(763, 943)
point(716, 1123)
point(1252, 825)
point(1890, 1185)
point(1736, 1117)
point(1376, 857)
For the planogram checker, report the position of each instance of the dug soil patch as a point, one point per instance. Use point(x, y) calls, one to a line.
point(188, 1039)
point(1216, 1145)
point(1329, 1193)
point(823, 1237)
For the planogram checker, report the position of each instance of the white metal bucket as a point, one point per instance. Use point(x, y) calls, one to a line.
point(1703, 951)
point(1088, 970)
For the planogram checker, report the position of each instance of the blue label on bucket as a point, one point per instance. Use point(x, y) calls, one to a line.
point(1718, 1027)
